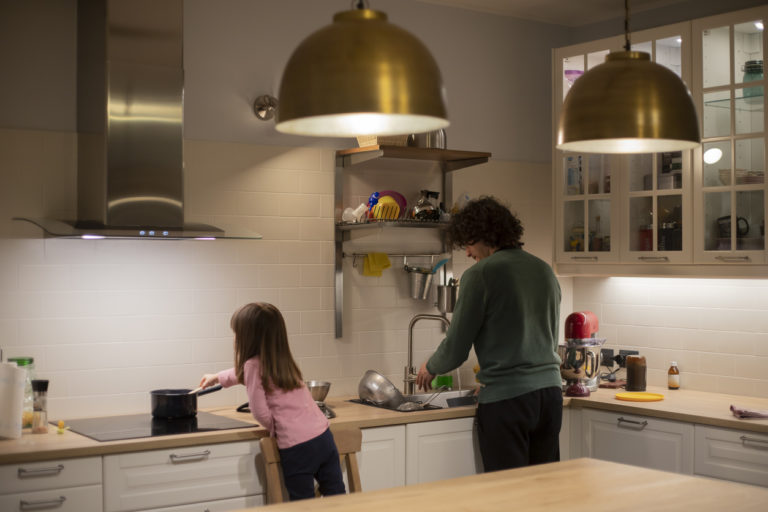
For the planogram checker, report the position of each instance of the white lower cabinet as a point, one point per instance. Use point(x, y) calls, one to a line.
point(731, 455)
point(436, 450)
point(62, 485)
point(191, 478)
point(638, 440)
point(382, 458)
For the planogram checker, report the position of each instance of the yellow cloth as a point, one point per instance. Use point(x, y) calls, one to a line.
point(374, 263)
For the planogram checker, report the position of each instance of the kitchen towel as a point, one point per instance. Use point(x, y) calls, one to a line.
point(374, 263)
point(12, 380)
point(748, 413)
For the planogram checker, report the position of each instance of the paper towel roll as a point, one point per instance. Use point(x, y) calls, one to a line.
point(12, 379)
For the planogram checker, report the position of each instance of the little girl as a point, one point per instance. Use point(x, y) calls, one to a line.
point(281, 402)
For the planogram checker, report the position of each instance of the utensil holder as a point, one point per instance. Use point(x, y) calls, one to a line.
point(421, 279)
point(446, 297)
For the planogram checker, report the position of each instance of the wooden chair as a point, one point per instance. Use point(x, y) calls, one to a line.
point(348, 443)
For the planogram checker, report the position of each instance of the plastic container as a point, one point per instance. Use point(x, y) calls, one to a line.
point(27, 364)
point(673, 376)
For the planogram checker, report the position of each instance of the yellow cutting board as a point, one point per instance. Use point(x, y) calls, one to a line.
point(640, 396)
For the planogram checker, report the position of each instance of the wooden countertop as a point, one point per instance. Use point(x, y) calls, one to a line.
point(589, 484)
point(683, 405)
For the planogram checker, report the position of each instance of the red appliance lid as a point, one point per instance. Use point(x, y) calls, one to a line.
point(581, 325)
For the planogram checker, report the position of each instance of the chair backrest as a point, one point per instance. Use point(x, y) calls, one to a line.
point(348, 443)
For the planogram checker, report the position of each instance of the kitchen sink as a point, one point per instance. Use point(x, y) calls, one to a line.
point(441, 400)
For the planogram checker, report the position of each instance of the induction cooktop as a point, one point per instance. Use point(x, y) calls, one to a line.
point(115, 428)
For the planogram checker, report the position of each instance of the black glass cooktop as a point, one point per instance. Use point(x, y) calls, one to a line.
point(115, 428)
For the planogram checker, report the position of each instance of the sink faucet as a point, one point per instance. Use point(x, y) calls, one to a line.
point(410, 372)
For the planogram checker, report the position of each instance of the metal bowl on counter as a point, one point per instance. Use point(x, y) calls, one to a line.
point(318, 389)
point(378, 390)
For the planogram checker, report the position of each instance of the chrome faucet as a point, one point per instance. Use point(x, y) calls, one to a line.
point(410, 372)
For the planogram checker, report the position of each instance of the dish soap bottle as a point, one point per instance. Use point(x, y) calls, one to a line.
point(673, 376)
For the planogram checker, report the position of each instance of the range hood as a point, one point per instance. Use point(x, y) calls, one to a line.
point(130, 106)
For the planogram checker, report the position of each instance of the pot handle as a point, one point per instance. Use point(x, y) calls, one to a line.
point(209, 390)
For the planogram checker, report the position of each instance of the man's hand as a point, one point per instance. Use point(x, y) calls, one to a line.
point(424, 378)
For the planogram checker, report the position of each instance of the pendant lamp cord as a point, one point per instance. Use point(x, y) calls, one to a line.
point(627, 46)
point(359, 4)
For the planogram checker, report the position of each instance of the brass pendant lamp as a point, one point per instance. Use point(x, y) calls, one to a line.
point(628, 104)
point(361, 76)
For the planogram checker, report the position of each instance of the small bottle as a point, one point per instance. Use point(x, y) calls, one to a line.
point(673, 376)
point(40, 413)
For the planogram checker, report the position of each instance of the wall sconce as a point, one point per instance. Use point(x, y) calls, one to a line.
point(265, 107)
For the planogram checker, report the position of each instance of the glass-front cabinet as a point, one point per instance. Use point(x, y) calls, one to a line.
point(729, 169)
point(623, 208)
point(586, 204)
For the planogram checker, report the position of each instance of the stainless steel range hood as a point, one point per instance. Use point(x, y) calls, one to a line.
point(130, 106)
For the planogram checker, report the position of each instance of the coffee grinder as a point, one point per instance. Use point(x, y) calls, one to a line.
point(580, 356)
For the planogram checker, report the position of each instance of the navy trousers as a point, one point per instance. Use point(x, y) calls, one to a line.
point(316, 459)
point(521, 431)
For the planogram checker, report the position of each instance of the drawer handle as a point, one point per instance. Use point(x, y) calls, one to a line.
point(29, 473)
point(653, 258)
point(633, 423)
point(190, 458)
point(733, 259)
point(38, 504)
point(745, 440)
point(584, 258)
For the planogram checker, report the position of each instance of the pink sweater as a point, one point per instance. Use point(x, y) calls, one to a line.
point(292, 417)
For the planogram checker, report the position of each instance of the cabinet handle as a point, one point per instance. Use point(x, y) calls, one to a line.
point(190, 457)
point(38, 504)
point(745, 440)
point(585, 258)
point(29, 473)
point(633, 423)
point(733, 258)
point(653, 258)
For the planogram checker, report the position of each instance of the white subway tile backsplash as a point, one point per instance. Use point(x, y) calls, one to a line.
point(107, 321)
point(716, 329)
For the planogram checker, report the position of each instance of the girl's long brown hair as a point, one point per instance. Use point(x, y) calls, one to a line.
point(260, 331)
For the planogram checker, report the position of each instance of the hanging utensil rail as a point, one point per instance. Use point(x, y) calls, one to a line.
point(356, 255)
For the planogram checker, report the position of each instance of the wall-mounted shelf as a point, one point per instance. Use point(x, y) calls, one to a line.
point(375, 158)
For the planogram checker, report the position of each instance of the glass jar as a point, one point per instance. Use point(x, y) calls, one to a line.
point(40, 414)
point(636, 370)
point(27, 364)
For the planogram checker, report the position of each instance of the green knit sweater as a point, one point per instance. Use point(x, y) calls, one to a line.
point(509, 309)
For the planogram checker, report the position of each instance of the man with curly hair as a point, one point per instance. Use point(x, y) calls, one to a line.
point(509, 309)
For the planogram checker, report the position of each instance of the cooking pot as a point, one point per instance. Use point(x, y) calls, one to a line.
point(177, 403)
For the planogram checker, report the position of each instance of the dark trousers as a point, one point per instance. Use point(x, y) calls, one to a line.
point(316, 459)
point(520, 431)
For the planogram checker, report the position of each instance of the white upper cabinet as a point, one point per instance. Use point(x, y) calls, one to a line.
point(699, 212)
point(623, 208)
point(729, 169)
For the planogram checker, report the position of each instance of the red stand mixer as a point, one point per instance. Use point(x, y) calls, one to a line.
point(580, 356)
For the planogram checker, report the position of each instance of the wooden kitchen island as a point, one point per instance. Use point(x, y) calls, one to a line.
point(580, 484)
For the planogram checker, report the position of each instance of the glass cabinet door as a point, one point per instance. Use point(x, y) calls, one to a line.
point(730, 168)
point(586, 211)
point(585, 205)
point(657, 184)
